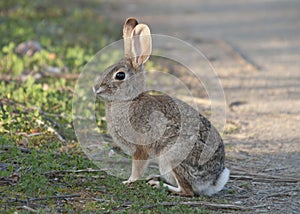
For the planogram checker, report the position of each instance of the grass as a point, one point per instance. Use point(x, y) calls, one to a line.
point(36, 112)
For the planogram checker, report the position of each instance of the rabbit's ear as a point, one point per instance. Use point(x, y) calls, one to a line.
point(129, 25)
point(141, 44)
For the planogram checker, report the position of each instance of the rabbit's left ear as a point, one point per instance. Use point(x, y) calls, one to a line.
point(141, 45)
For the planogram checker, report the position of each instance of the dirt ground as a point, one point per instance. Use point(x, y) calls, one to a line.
point(254, 47)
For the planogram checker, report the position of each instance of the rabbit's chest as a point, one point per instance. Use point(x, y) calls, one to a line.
point(117, 125)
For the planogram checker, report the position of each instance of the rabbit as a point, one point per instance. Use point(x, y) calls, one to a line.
point(187, 147)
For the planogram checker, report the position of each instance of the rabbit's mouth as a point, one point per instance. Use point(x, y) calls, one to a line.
point(98, 91)
point(103, 93)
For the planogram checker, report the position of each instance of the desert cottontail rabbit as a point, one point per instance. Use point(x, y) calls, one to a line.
point(188, 149)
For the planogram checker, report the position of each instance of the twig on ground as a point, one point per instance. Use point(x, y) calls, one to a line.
point(52, 130)
point(280, 194)
point(44, 198)
point(54, 172)
point(22, 149)
point(198, 203)
point(262, 177)
point(55, 197)
point(28, 209)
point(34, 134)
point(275, 169)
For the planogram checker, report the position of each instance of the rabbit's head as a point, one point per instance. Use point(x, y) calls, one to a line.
point(125, 79)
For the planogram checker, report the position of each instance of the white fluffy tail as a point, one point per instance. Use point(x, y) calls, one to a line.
point(220, 183)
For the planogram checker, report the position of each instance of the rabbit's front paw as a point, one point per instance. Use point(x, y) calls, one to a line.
point(129, 181)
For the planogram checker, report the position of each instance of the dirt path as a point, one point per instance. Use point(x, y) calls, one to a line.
point(255, 49)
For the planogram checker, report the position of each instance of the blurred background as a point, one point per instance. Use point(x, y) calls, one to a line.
point(266, 31)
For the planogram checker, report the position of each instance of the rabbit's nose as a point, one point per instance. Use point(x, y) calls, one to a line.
point(98, 90)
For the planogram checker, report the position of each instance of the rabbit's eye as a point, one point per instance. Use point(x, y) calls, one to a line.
point(120, 75)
